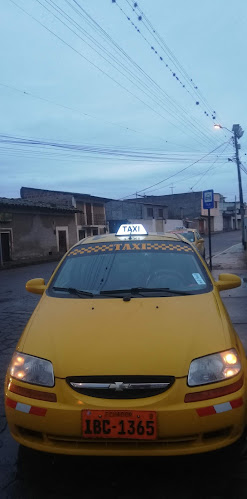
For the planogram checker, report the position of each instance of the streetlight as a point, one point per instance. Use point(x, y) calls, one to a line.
point(237, 133)
point(218, 127)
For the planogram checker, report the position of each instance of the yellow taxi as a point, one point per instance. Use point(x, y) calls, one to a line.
point(129, 352)
point(194, 237)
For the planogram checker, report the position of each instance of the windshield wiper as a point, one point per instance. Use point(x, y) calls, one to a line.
point(169, 290)
point(140, 290)
point(74, 291)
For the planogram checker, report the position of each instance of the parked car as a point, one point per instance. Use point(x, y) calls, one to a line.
point(194, 237)
point(129, 351)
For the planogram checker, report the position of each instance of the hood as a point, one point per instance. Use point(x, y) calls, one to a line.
point(150, 336)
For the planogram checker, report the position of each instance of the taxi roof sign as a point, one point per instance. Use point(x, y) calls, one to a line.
point(131, 229)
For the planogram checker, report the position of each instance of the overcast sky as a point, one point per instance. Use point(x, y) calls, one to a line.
point(75, 96)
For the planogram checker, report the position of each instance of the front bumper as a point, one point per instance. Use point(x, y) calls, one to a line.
point(57, 427)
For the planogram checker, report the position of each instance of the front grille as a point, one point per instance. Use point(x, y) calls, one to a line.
point(120, 387)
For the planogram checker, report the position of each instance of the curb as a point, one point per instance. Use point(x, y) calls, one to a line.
point(222, 252)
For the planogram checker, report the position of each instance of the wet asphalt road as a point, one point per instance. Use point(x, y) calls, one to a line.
point(222, 240)
point(26, 475)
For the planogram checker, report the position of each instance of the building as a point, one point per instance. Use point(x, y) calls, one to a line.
point(31, 231)
point(216, 215)
point(90, 217)
point(189, 208)
point(232, 215)
point(152, 216)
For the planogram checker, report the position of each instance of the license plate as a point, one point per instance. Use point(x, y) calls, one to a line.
point(129, 425)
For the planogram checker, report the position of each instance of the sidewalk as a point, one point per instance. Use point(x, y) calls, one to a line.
point(234, 261)
point(232, 258)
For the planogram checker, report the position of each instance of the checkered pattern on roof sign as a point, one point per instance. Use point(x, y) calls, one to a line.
point(153, 246)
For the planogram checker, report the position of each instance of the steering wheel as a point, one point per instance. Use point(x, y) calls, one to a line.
point(168, 279)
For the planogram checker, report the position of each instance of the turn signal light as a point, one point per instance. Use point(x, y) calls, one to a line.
point(215, 392)
point(32, 394)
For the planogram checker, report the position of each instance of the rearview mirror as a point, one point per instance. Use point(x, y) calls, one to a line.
point(36, 286)
point(228, 281)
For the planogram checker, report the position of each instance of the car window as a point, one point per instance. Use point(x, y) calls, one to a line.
point(189, 235)
point(153, 264)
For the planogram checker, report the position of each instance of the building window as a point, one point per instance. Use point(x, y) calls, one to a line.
point(5, 246)
point(150, 212)
point(160, 212)
point(62, 235)
point(81, 234)
point(216, 204)
point(89, 214)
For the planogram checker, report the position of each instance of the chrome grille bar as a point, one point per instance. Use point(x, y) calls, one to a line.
point(120, 386)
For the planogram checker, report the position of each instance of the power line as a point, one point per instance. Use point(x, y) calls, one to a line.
point(105, 35)
point(97, 67)
point(174, 174)
point(97, 149)
point(90, 62)
point(211, 165)
point(160, 40)
point(161, 59)
point(35, 96)
point(185, 179)
point(81, 113)
point(155, 94)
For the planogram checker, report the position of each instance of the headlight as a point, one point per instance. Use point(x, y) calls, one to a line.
point(32, 369)
point(215, 367)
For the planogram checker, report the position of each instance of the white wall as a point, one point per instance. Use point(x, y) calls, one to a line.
point(150, 224)
point(173, 224)
point(218, 223)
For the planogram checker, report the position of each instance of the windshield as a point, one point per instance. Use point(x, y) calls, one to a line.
point(97, 268)
point(189, 235)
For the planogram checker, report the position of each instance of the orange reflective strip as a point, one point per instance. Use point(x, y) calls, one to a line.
point(37, 411)
point(11, 403)
point(206, 411)
point(32, 394)
point(236, 403)
point(215, 392)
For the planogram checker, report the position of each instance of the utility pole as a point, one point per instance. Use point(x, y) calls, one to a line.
point(235, 206)
point(209, 240)
point(238, 132)
point(1, 252)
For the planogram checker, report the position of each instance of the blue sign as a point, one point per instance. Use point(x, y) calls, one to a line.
point(208, 199)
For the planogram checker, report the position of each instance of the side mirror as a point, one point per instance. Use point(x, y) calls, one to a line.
point(201, 240)
point(228, 281)
point(36, 286)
